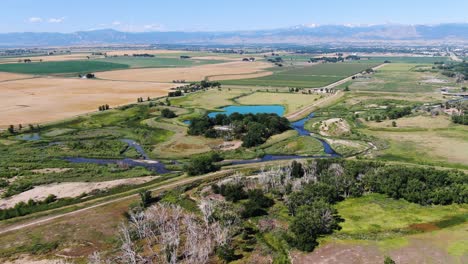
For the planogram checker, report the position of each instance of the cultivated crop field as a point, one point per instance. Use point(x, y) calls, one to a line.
point(307, 76)
point(196, 73)
point(61, 67)
point(157, 62)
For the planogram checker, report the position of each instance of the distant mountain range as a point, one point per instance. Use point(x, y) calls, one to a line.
point(442, 34)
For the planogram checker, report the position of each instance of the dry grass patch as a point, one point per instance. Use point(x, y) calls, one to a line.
point(448, 146)
point(420, 121)
point(48, 99)
point(69, 189)
point(196, 73)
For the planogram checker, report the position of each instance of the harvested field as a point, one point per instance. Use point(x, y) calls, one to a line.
point(48, 99)
point(45, 58)
point(197, 73)
point(239, 76)
point(69, 189)
point(6, 76)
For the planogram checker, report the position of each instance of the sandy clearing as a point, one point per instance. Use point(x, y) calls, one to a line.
point(335, 127)
point(230, 145)
point(50, 170)
point(6, 76)
point(348, 143)
point(196, 73)
point(68, 189)
point(45, 99)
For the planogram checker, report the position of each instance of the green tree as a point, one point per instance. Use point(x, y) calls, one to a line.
point(313, 221)
point(389, 260)
point(146, 198)
point(167, 113)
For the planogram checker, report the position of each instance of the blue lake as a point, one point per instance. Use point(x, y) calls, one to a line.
point(250, 109)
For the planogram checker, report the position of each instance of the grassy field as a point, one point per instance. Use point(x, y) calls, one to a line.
point(61, 67)
point(210, 100)
point(402, 77)
point(157, 62)
point(307, 76)
point(376, 226)
point(291, 101)
point(419, 60)
point(375, 217)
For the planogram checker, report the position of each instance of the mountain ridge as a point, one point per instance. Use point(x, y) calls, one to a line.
point(302, 34)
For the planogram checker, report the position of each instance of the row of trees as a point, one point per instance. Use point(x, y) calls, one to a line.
point(103, 107)
point(141, 100)
point(11, 128)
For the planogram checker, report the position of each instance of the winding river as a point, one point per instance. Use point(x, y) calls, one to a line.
point(160, 168)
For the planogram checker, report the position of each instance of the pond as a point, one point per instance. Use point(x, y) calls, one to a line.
point(29, 137)
point(250, 109)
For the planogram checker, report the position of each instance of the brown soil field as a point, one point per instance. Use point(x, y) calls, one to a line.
point(5, 76)
point(196, 73)
point(39, 100)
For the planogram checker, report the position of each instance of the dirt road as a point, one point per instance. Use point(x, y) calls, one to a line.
point(47, 219)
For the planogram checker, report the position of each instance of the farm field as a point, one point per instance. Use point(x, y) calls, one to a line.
point(409, 59)
point(157, 62)
point(39, 100)
point(402, 77)
point(61, 67)
point(38, 162)
point(317, 75)
point(5, 76)
point(196, 73)
point(292, 102)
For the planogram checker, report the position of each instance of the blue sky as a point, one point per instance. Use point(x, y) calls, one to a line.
point(211, 15)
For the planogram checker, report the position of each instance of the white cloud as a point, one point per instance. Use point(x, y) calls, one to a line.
point(116, 23)
point(56, 20)
point(35, 19)
point(151, 27)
